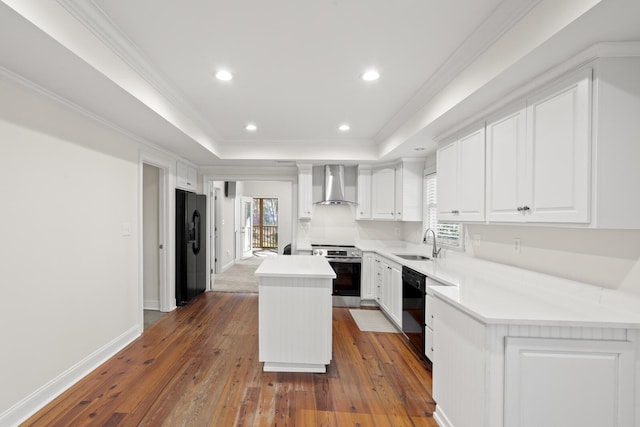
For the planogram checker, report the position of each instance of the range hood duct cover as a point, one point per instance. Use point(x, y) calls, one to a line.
point(334, 186)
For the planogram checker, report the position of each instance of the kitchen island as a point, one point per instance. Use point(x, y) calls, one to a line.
point(295, 314)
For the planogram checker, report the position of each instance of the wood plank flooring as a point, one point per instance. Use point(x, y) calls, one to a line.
point(198, 366)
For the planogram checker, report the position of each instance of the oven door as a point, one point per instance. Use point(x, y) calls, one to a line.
point(347, 281)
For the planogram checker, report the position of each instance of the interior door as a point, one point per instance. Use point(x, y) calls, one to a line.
point(247, 227)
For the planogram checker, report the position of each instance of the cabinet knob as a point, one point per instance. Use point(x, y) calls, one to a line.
point(525, 208)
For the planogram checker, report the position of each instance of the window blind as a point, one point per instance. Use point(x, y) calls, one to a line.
point(447, 234)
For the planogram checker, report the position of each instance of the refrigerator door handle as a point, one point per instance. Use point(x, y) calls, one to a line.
point(196, 230)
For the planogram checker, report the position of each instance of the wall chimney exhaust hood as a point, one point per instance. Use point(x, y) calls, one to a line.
point(334, 186)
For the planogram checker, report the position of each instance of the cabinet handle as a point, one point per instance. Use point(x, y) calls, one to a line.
point(455, 212)
point(525, 208)
point(519, 208)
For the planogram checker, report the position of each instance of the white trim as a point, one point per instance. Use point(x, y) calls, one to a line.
point(49, 391)
point(89, 14)
point(227, 266)
point(151, 304)
point(18, 79)
point(547, 78)
point(166, 220)
point(507, 14)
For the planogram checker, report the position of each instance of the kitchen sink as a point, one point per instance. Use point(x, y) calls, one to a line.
point(413, 257)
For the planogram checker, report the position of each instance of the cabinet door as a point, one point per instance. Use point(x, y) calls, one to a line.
point(378, 278)
point(447, 190)
point(558, 148)
point(398, 191)
point(506, 167)
point(186, 176)
point(363, 210)
point(471, 177)
point(383, 194)
point(385, 297)
point(579, 383)
point(395, 297)
point(409, 193)
point(304, 191)
point(367, 279)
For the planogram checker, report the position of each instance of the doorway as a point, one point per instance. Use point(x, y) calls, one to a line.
point(265, 224)
point(152, 247)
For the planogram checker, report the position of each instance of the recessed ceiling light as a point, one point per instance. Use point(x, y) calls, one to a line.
point(251, 127)
point(370, 75)
point(344, 127)
point(224, 75)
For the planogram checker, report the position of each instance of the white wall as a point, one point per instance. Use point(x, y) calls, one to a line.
point(282, 190)
point(599, 257)
point(150, 225)
point(69, 247)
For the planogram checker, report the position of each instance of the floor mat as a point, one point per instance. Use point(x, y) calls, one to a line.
point(372, 321)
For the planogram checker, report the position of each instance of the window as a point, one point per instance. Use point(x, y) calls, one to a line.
point(447, 234)
point(265, 223)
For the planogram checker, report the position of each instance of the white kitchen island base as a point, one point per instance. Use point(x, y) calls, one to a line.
point(295, 313)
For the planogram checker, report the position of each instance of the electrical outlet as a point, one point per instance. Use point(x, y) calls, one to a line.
point(476, 239)
point(396, 231)
point(516, 245)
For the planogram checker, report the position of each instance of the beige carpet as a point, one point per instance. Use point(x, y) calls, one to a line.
point(372, 321)
point(239, 277)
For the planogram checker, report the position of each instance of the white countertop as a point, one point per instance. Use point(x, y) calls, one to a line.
point(310, 267)
point(495, 293)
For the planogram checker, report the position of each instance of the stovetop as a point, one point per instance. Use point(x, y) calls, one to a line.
point(336, 251)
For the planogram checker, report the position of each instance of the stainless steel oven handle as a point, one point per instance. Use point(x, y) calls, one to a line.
point(346, 260)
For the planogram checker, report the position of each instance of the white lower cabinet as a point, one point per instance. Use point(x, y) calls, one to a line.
point(568, 382)
point(390, 300)
point(501, 375)
point(367, 278)
point(428, 329)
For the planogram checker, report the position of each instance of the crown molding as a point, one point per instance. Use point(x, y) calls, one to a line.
point(504, 16)
point(34, 87)
point(91, 16)
point(583, 58)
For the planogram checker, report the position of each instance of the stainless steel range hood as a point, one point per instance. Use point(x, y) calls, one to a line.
point(334, 186)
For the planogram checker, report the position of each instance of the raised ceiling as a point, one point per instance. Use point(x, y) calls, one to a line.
point(148, 67)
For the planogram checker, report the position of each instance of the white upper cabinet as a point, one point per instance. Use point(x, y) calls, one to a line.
point(363, 210)
point(396, 191)
point(506, 167)
point(186, 177)
point(305, 191)
point(409, 181)
point(538, 157)
point(461, 178)
point(383, 193)
point(558, 124)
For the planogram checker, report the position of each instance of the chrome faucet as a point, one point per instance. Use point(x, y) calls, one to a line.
point(436, 251)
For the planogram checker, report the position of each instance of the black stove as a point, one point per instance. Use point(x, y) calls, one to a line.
point(346, 261)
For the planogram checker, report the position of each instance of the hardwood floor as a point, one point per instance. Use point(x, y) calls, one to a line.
point(199, 366)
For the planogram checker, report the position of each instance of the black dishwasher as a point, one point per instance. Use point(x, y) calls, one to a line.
point(413, 306)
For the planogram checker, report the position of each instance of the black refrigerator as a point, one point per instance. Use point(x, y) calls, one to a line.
point(191, 257)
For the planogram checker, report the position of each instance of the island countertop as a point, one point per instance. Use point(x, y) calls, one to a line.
point(296, 266)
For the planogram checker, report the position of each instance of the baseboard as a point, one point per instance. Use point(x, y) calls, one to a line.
point(227, 266)
point(31, 404)
point(441, 418)
point(151, 304)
